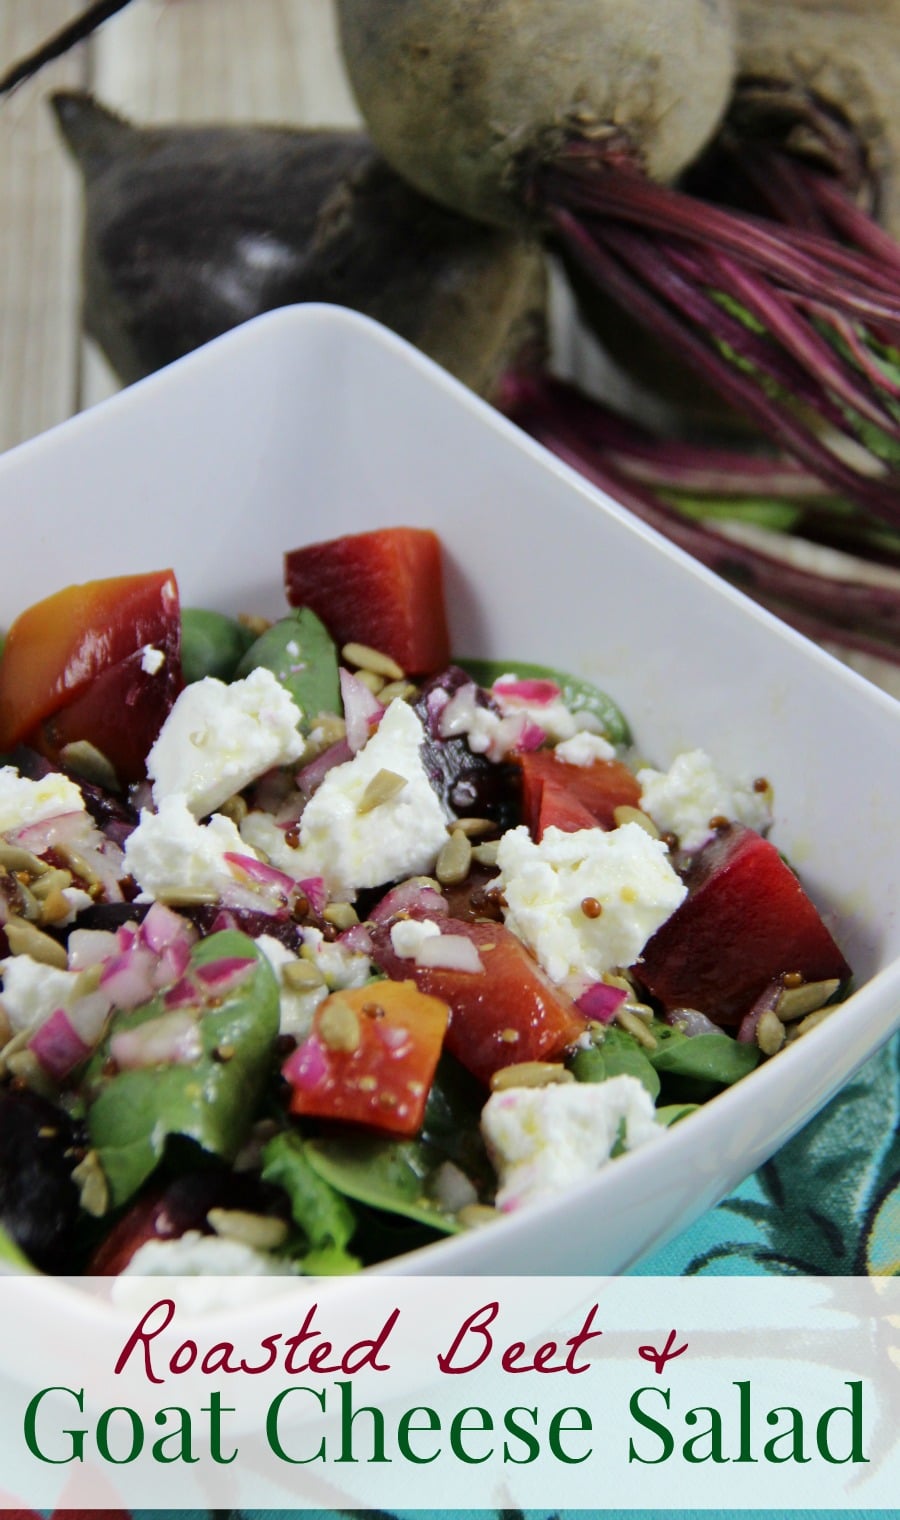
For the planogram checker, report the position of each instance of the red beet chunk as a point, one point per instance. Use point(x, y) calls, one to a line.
point(745, 921)
point(120, 713)
point(561, 809)
point(384, 589)
point(509, 1012)
point(573, 797)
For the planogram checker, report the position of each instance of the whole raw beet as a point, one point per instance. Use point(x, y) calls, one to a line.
point(190, 231)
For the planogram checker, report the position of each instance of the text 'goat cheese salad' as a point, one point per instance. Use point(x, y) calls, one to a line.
point(317, 945)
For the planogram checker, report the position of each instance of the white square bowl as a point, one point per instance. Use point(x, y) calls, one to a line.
point(312, 422)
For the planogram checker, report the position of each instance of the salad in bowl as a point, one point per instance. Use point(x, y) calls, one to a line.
point(320, 944)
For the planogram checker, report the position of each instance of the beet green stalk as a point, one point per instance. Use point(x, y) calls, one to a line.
point(576, 115)
point(851, 614)
point(761, 312)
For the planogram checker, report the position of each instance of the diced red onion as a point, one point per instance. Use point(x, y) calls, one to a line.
point(90, 947)
point(128, 979)
point(536, 692)
point(600, 1002)
point(307, 1066)
point(224, 920)
point(183, 993)
point(691, 1021)
point(315, 892)
point(767, 999)
point(221, 975)
point(261, 873)
point(62, 828)
point(58, 1045)
point(418, 897)
point(360, 707)
point(171, 964)
point(88, 1015)
point(312, 775)
point(357, 939)
point(450, 952)
point(531, 737)
point(171, 1040)
point(161, 928)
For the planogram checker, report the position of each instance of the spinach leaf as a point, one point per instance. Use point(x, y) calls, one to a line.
point(211, 644)
point(301, 654)
point(716, 1058)
point(323, 1215)
point(388, 1174)
point(11, 1256)
point(452, 1124)
point(672, 1113)
point(211, 1100)
point(617, 1053)
point(578, 695)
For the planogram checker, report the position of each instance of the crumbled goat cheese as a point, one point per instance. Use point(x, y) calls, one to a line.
point(625, 872)
point(409, 934)
point(341, 968)
point(33, 991)
point(498, 734)
point(543, 1139)
point(555, 718)
point(298, 1004)
point(170, 852)
point(399, 837)
point(584, 749)
point(23, 801)
point(77, 900)
point(683, 799)
point(196, 1255)
point(152, 660)
point(218, 738)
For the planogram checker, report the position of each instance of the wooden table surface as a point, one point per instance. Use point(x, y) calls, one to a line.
point(158, 61)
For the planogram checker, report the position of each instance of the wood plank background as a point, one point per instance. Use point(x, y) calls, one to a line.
point(169, 60)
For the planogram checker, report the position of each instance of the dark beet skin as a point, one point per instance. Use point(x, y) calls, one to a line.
point(746, 920)
point(110, 812)
point(190, 231)
point(39, 1202)
point(120, 713)
point(469, 784)
point(166, 1213)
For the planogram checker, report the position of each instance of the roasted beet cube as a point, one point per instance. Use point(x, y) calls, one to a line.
point(383, 589)
point(746, 920)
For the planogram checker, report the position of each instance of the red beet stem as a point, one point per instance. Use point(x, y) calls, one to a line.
point(652, 289)
point(850, 613)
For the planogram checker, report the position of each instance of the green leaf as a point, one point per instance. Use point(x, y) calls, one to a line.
point(11, 1256)
point(323, 1214)
point(451, 1128)
point(578, 696)
point(392, 1175)
point(211, 1101)
point(330, 1261)
point(211, 644)
point(301, 654)
point(716, 1058)
point(617, 1054)
point(672, 1113)
point(763, 511)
